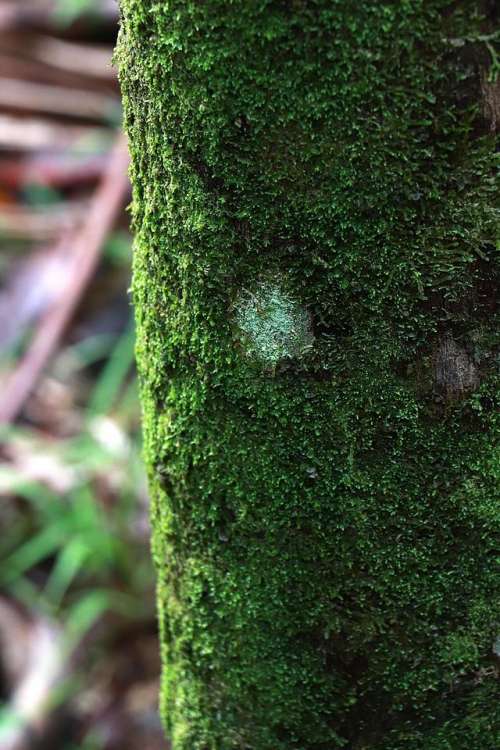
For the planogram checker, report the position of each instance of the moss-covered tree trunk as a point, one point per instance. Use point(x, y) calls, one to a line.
point(315, 284)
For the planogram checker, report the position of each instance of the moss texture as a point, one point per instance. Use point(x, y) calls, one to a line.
point(325, 534)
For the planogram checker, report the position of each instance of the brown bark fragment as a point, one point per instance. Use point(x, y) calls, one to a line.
point(490, 101)
point(454, 370)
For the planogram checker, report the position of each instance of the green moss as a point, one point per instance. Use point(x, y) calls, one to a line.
point(325, 539)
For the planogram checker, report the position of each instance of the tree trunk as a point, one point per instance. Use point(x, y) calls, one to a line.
point(315, 286)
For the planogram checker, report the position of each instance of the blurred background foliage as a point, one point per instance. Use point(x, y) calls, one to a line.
point(78, 647)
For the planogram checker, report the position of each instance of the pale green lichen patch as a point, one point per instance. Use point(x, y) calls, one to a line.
point(274, 325)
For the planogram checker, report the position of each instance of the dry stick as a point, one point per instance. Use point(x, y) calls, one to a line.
point(54, 170)
point(35, 70)
point(32, 134)
point(61, 60)
point(24, 223)
point(68, 56)
point(25, 96)
point(86, 244)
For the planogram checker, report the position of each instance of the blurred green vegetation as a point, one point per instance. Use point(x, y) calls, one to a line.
point(76, 551)
point(66, 11)
point(83, 546)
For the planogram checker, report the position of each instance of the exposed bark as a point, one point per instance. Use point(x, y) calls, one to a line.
point(454, 370)
point(491, 100)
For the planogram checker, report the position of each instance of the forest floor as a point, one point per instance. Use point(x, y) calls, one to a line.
point(79, 657)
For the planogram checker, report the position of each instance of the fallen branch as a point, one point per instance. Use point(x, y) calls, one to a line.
point(58, 171)
point(18, 133)
point(25, 223)
point(24, 96)
point(84, 244)
point(36, 71)
point(31, 289)
point(68, 56)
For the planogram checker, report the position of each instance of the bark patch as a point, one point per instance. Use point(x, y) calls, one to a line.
point(454, 370)
point(490, 91)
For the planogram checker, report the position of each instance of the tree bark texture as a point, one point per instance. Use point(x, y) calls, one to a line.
point(316, 217)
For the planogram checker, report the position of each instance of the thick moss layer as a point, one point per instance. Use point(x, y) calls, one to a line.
point(325, 532)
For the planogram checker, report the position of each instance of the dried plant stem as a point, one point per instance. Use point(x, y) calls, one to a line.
point(84, 244)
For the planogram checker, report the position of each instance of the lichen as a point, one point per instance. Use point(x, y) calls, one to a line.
point(274, 326)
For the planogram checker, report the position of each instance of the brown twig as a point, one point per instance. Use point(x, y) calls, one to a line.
point(32, 134)
point(55, 170)
point(35, 70)
point(32, 286)
point(25, 96)
point(84, 245)
point(67, 57)
point(24, 223)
